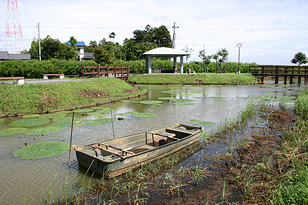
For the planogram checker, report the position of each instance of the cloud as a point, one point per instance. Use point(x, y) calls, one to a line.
point(163, 19)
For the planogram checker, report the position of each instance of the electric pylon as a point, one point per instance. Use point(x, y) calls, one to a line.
point(14, 38)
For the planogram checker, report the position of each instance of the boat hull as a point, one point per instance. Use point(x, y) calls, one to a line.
point(117, 165)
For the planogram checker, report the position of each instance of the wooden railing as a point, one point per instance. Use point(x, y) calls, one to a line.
point(121, 72)
point(280, 71)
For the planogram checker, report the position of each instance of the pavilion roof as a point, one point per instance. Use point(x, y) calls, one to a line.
point(163, 51)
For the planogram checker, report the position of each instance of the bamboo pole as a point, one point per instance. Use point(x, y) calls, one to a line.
point(69, 160)
point(111, 116)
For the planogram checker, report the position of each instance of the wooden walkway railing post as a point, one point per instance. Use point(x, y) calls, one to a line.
point(281, 71)
point(106, 71)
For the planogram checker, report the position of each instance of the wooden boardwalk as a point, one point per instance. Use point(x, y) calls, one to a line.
point(121, 72)
point(286, 72)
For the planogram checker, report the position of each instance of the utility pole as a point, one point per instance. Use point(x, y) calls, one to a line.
point(39, 41)
point(173, 38)
point(239, 45)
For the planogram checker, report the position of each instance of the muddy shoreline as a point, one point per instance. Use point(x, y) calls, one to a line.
point(245, 173)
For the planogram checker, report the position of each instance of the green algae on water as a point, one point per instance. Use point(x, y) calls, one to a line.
point(144, 115)
point(105, 120)
point(151, 102)
point(42, 150)
point(12, 131)
point(30, 116)
point(43, 130)
point(29, 122)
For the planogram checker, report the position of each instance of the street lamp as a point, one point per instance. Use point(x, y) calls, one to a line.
point(239, 45)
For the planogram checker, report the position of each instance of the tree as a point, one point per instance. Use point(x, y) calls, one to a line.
point(112, 35)
point(102, 56)
point(299, 58)
point(161, 36)
point(221, 58)
point(206, 60)
point(188, 50)
point(134, 50)
point(52, 48)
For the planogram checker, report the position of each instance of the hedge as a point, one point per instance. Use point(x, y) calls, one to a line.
point(36, 69)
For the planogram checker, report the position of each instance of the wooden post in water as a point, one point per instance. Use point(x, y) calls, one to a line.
point(69, 160)
point(111, 116)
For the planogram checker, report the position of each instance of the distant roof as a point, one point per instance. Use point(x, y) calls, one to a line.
point(78, 44)
point(163, 51)
point(18, 56)
point(4, 55)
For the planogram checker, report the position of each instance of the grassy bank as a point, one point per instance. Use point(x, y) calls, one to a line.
point(47, 97)
point(198, 79)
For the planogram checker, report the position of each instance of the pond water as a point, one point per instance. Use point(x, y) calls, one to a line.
point(26, 180)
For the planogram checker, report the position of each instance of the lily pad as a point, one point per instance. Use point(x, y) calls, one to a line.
point(64, 119)
point(29, 122)
point(105, 120)
point(151, 102)
point(65, 124)
point(204, 123)
point(53, 115)
point(31, 116)
point(166, 98)
point(144, 115)
point(43, 130)
point(42, 150)
point(129, 101)
point(12, 131)
point(83, 110)
point(2, 121)
point(218, 98)
point(183, 102)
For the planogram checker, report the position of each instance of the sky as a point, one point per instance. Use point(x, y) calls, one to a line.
point(271, 31)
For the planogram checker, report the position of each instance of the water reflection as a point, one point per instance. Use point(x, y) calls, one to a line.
point(21, 178)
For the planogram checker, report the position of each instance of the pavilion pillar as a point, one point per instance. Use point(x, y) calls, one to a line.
point(174, 64)
point(181, 64)
point(148, 63)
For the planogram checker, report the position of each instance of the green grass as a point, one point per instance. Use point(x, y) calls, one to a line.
point(210, 78)
point(39, 98)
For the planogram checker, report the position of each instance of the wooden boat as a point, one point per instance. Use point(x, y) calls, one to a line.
point(118, 156)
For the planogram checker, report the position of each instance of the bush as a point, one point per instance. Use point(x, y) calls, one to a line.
point(36, 69)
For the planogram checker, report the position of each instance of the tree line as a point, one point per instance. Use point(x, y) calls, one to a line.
point(105, 52)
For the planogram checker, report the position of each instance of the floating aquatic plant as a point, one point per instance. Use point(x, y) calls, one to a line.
point(151, 102)
point(53, 115)
point(65, 124)
point(42, 150)
point(218, 98)
point(129, 101)
point(204, 123)
point(144, 115)
point(2, 121)
point(64, 119)
point(31, 116)
point(29, 122)
point(43, 130)
point(105, 120)
point(183, 102)
point(83, 110)
point(12, 131)
point(166, 98)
